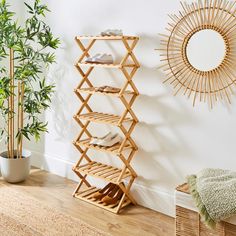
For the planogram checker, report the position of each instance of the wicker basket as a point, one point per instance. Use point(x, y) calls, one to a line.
point(188, 222)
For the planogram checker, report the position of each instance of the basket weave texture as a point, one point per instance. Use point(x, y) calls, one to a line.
point(188, 222)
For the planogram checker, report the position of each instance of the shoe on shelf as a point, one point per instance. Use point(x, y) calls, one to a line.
point(112, 32)
point(92, 59)
point(110, 140)
point(114, 196)
point(100, 58)
point(103, 192)
point(107, 89)
point(104, 59)
point(100, 89)
point(96, 140)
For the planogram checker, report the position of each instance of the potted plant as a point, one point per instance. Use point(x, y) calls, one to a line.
point(26, 51)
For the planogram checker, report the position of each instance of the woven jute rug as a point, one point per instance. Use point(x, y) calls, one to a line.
point(21, 215)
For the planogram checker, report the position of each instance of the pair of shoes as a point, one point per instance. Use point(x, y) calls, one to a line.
point(106, 141)
point(112, 32)
point(107, 89)
point(114, 196)
point(110, 194)
point(100, 58)
point(103, 192)
point(98, 140)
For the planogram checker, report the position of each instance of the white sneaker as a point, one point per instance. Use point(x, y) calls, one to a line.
point(112, 32)
point(116, 32)
point(92, 59)
point(100, 58)
point(96, 140)
point(110, 141)
point(105, 33)
point(104, 59)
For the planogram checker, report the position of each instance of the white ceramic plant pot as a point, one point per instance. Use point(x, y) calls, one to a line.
point(15, 170)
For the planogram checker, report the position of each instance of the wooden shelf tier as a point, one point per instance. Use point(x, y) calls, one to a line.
point(102, 171)
point(99, 37)
point(94, 91)
point(102, 118)
point(115, 66)
point(86, 195)
point(99, 65)
point(113, 150)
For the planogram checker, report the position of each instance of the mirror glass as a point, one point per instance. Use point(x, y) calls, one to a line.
point(206, 50)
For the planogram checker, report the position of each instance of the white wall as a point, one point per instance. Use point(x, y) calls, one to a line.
point(174, 139)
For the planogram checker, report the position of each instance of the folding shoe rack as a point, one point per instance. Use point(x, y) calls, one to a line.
point(125, 150)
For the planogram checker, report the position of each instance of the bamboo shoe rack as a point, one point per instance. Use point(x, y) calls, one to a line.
point(126, 149)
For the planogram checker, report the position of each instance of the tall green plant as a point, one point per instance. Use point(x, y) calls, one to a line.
point(25, 52)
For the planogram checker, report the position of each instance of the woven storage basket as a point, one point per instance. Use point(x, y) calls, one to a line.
point(188, 222)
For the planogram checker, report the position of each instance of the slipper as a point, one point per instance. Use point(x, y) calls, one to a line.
point(109, 89)
point(113, 197)
point(110, 141)
point(103, 192)
point(104, 59)
point(100, 58)
point(100, 89)
point(91, 59)
point(96, 140)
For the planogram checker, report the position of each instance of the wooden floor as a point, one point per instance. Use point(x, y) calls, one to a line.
point(56, 192)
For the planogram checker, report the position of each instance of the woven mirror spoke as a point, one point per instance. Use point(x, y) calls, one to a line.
point(204, 86)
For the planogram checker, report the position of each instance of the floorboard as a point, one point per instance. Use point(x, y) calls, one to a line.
point(56, 192)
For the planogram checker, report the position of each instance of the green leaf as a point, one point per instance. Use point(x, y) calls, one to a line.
point(29, 7)
point(33, 44)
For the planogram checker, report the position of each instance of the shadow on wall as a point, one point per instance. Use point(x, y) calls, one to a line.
point(161, 116)
point(62, 106)
point(62, 128)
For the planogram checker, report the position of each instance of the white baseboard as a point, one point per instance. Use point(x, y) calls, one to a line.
point(150, 198)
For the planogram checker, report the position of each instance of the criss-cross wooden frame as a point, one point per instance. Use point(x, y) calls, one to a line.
point(85, 166)
point(208, 86)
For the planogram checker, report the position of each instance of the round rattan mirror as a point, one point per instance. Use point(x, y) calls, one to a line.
point(199, 52)
point(206, 50)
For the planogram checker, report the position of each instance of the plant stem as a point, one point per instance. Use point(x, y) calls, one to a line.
point(18, 117)
point(13, 105)
point(11, 135)
point(8, 131)
point(21, 115)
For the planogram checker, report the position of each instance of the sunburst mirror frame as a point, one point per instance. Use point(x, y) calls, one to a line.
point(204, 86)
